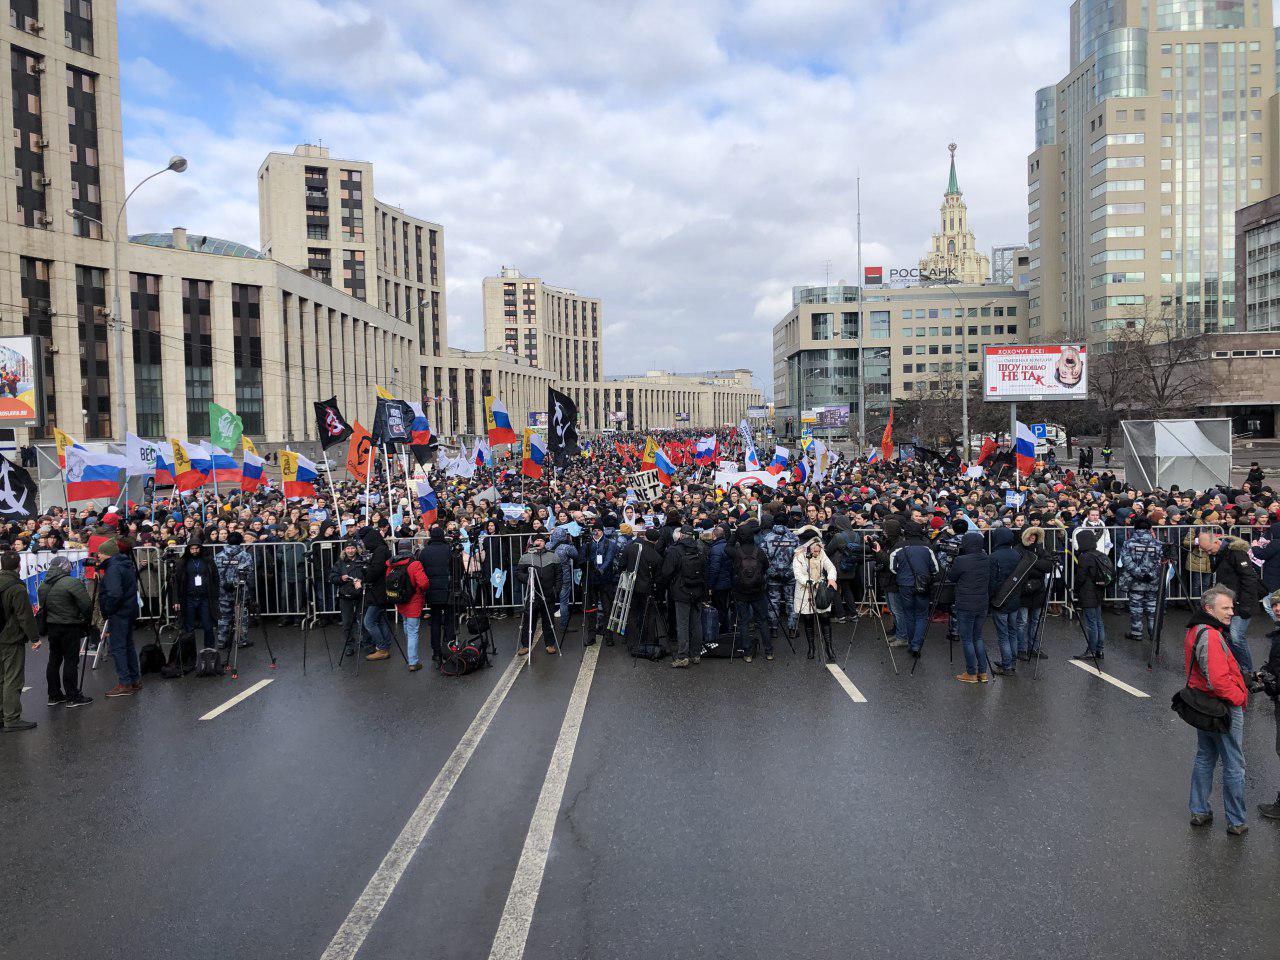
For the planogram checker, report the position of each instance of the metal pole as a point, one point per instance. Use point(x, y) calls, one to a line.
point(1013, 431)
point(862, 392)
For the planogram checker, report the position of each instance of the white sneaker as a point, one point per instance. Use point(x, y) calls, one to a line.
point(556, 614)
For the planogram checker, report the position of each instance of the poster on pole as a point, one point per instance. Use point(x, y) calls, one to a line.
point(21, 382)
point(1035, 371)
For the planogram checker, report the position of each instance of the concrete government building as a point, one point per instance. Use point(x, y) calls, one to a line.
point(344, 293)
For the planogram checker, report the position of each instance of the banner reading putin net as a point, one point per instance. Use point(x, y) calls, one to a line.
point(1041, 371)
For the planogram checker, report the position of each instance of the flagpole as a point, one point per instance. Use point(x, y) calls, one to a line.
point(369, 464)
point(386, 463)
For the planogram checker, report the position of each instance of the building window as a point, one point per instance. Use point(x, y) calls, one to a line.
point(246, 332)
point(82, 135)
point(880, 324)
point(197, 330)
point(77, 18)
point(95, 366)
point(353, 272)
point(28, 143)
point(37, 320)
point(144, 302)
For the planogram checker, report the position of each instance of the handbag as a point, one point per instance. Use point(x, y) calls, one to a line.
point(1201, 710)
point(823, 597)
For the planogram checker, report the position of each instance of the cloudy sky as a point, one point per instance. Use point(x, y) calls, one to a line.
point(687, 161)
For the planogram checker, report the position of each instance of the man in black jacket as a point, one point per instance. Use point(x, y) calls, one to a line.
point(970, 571)
point(1233, 569)
point(641, 558)
point(437, 563)
point(748, 569)
point(1031, 602)
point(118, 601)
point(346, 578)
point(1094, 573)
point(65, 614)
point(684, 571)
point(375, 594)
point(195, 584)
point(1004, 561)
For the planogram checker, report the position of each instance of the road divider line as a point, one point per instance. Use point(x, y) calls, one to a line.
point(355, 928)
point(843, 679)
point(1090, 668)
point(242, 695)
point(517, 916)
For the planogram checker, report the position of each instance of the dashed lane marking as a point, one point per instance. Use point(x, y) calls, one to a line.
point(242, 695)
point(843, 679)
point(1090, 668)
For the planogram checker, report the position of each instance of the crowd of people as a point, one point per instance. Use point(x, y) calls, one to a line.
point(699, 568)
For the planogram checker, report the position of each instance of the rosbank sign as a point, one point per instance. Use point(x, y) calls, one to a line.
point(908, 276)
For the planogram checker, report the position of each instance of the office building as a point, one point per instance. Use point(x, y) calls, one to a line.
point(1163, 127)
point(1011, 265)
point(558, 330)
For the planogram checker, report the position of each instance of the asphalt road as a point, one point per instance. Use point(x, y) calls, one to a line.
point(732, 810)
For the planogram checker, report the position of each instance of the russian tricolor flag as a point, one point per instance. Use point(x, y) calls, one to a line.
point(428, 504)
point(801, 471)
point(164, 467)
point(705, 452)
point(535, 454)
point(498, 422)
point(225, 468)
point(91, 475)
point(666, 469)
point(1024, 450)
point(781, 457)
point(419, 428)
point(298, 475)
point(251, 474)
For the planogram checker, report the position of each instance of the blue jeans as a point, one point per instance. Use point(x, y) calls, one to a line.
point(411, 625)
point(566, 592)
point(1198, 583)
point(1095, 632)
point(915, 611)
point(1028, 624)
point(895, 607)
point(969, 628)
point(1142, 614)
point(375, 623)
point(757, 610)
point(1240, 645)
point(1229, 748)
point(1007, 633)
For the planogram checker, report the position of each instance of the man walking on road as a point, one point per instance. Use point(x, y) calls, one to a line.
point(19, 630)
point(65, 614)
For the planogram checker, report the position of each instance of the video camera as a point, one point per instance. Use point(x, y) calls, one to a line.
point(1263, 681)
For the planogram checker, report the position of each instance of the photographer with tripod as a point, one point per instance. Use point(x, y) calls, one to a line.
point(438, 558)
point(813, 572)
point(539, 571)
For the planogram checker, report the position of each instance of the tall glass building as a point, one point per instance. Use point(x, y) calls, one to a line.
point(1164, 126)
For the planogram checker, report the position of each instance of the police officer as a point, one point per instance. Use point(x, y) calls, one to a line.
point(1140, 560)
point(234, 565)
point(1106, 456)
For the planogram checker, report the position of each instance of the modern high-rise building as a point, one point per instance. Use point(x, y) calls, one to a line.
point(551, 327)
point(953, 255)
point(1164, 126)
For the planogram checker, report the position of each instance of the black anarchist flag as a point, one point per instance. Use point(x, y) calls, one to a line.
point(18, 493)
point(392, 422)
point(331, 426)
point(562, 426)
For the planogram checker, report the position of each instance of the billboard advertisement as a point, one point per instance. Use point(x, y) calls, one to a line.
point(1035, 371)
point(21, 382)
point(538, 419)
point(833, 417)
point(757, 413)
point(682, 417)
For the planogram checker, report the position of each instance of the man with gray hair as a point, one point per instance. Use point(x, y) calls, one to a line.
point(1212, 669)
point(66, 612)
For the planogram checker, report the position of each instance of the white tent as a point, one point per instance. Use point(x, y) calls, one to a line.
point(1189, 454)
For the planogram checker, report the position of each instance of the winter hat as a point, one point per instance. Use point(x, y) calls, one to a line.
point(108, 548)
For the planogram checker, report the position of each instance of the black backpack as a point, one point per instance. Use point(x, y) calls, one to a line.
point(1104, 573)
point(748, 571)
point(208, 663)
point(399, 585)
point(693, 568)
point(151, 657)
point(462, 656)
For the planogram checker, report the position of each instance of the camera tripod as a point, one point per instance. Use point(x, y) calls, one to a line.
point(870, 609)
point(815, 623)
point(462, 605)
point(240, 631)
point(535, 600)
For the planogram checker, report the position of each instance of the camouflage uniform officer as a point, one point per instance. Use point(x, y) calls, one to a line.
point(235, 569)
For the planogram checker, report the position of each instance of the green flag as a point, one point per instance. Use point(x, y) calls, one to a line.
point(225, 428)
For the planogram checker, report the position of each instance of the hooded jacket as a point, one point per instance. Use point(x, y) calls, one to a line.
point(375, 568)
point(64, 599)
point(1232, 568)
point(1004, 561)
point(1210, 665)
point(681, 569)
point(1033, 590)
point(118, 593)
point(971, 573)
point(1089, 561)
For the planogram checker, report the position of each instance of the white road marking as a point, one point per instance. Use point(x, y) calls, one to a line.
point(517, 916)
point(843, 679)
point(242, 695)
point(355, 928)
point(1090, 668)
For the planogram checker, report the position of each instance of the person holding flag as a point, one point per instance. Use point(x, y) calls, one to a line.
point(498, 422)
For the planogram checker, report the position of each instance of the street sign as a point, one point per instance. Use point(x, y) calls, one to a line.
point(1040, 431)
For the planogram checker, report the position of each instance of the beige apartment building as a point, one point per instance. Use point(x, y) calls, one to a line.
point(559, 330)
point(1164, 126)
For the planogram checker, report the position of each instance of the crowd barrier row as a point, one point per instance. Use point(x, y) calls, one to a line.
point(291, 580)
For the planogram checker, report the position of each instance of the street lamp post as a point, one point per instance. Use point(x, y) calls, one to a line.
point(121, 415)
point(964, 367)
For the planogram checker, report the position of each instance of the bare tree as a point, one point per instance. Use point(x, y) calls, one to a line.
point(1153, 365)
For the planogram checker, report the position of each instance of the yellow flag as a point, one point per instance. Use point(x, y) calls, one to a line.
point(650, 451)
point(181, 462)
point(526, 448)
point(288, 466)
point(382, 394)
point(62, 441)
point(248, 446)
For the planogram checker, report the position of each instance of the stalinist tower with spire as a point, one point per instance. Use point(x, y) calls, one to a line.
point(954, 257)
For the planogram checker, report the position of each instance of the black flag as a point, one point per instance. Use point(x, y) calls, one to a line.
point(17, 492)
point(562, 426)
point(392, 422)
point(331, 426)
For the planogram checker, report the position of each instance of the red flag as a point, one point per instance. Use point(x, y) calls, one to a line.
point(359, 452)
point(886, 442)
point(988, 448)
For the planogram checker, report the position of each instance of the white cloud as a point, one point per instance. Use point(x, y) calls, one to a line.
point(687, 163)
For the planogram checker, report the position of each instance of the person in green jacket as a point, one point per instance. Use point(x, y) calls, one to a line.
point(19, 630)
point(66, 610)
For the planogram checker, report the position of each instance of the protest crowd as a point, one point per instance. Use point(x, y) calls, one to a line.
point(673, 544)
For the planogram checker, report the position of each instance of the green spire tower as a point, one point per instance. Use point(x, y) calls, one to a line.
point(953, 184)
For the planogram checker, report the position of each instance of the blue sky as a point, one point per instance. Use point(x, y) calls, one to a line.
point(686, 162)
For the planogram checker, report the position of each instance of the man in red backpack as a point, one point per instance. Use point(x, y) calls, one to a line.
point(1212, 668)
point(406, 586)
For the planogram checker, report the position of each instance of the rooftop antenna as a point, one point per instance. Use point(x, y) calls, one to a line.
point(827, 262)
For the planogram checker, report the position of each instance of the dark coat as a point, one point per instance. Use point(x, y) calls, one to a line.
point(601, 556)
point(1004, 560)
point(64, 599)
point(436, 559)
point(971, 573)
point(210, 575)
point(909, 558)
point(1232, 568)
point(20, 622)
point(718, 573)
point(1270, 557)
point(375, 569)
point(680, 561)
point(1033, 590)
point(736, 554)
point(1088, 561)
point(642, 558)
point(118, 590)
point(354, 569)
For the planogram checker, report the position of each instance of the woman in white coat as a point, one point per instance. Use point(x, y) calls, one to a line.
point(812, 568)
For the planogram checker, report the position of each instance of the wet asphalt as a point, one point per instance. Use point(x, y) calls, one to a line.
point(732, 810)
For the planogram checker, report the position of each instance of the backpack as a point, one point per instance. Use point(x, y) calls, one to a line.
point(693, 568)
point(399, 585)
point(151, 657)
point(462, 656)
point(748, 572)
point(1102, 574)
point(208, 663)
point(850, 560)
